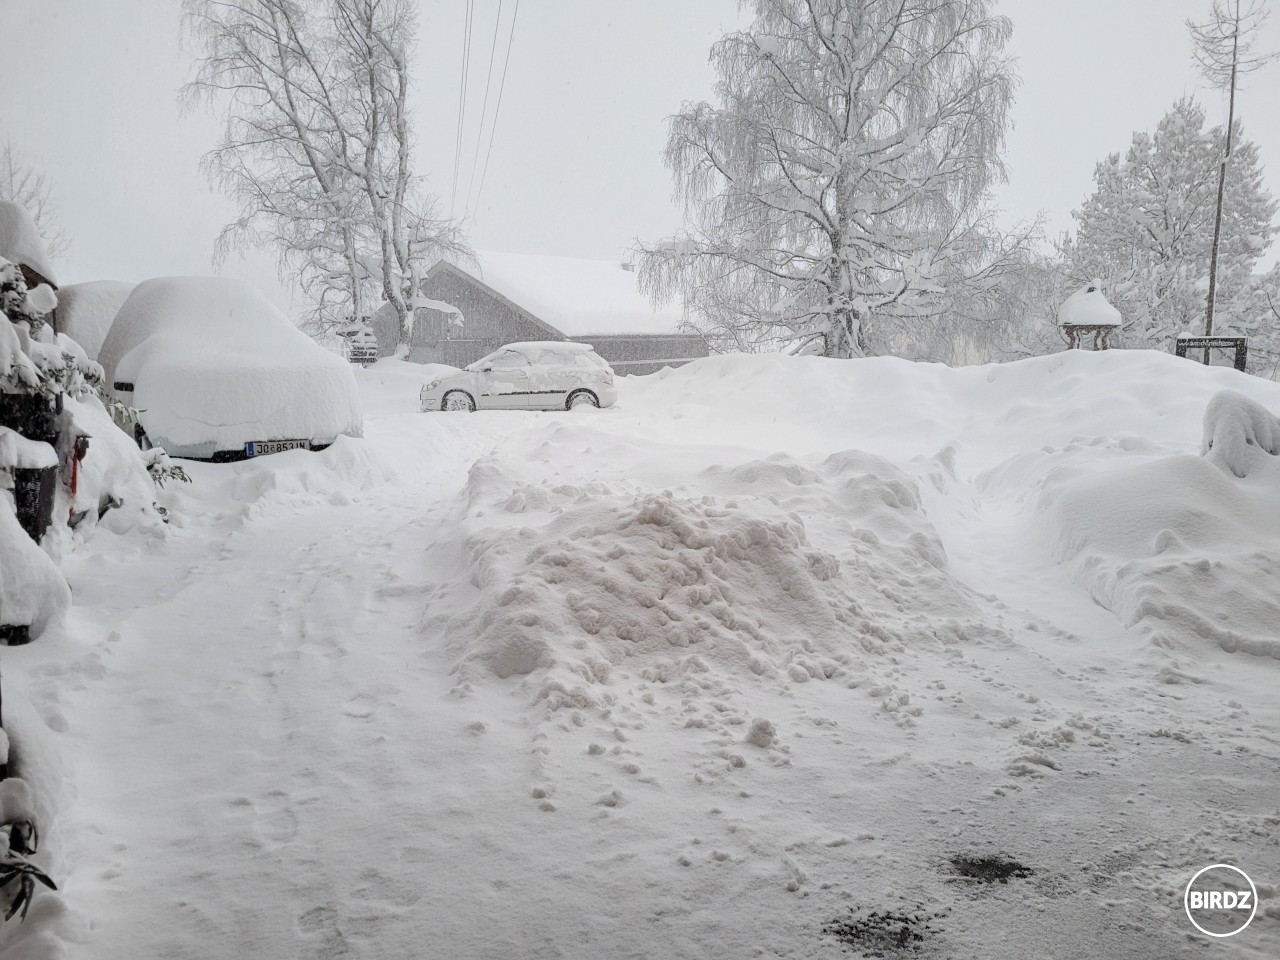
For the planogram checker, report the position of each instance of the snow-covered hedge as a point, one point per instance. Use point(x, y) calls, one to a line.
point(1239, 433)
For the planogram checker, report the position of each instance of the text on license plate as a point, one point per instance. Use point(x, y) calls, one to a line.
point(258, 448)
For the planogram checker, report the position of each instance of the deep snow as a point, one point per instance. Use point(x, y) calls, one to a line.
point(758, 649)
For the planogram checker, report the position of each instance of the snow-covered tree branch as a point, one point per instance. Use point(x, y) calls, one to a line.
point(26, 185)
point(1148, 230)
point(839, 186)
point(317, 148)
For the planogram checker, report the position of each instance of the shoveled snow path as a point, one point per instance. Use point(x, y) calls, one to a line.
point(295, 711)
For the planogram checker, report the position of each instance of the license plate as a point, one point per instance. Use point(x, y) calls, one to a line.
point(259, 448)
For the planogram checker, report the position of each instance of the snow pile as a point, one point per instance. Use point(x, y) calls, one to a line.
point(20, 240)
point(87, 310)
point(1241, 436)
point(32, 591)
point(1088, 307)
point(1175, 546)
point(214, 364)
point(112, 479)
point(776, 572)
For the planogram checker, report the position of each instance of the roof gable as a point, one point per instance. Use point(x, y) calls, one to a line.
point(574, 298)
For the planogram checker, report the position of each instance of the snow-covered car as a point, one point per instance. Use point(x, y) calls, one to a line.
point(540, 375)
point(217, 372)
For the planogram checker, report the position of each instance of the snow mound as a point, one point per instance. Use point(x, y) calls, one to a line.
point(589, 586)
point(112, 480)
point(87, 310)
point(680, 584)
point(1175, 546)
point(1240, 435)
point(32, 591)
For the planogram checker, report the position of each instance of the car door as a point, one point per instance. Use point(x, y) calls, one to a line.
point(504, 382)
point(552, 380)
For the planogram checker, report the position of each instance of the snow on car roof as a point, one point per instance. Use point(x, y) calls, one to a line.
point(535, 346)
point(215, 363)
point(20, 240)
point(577, 297)
point(211, 316)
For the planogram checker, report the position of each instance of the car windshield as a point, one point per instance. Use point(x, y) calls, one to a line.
point(486, 362)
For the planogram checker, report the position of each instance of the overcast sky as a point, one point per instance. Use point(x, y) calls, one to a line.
point(576, 169)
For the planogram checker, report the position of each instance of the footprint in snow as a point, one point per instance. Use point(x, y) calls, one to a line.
point(274, 821)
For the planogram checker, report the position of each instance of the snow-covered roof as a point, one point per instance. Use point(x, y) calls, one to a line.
point(578, 297)
point(86, 311)
point(20, 240)
point(1088, 307)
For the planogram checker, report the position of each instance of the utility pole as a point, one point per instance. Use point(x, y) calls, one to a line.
point(1223, 45)
point(1222, 183)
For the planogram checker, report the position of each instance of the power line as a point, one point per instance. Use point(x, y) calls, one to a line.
point(502, 85)
point(484, 108)
point(462, 102)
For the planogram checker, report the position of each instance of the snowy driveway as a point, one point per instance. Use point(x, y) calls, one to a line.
point(612, 684)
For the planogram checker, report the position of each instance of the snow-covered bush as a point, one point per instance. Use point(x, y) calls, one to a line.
point(33, 358)
point(1239, 433)
point(32, 591)
point(33, 594)
point(17, 816)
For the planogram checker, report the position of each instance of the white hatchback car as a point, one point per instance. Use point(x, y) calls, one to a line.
point(541, 375)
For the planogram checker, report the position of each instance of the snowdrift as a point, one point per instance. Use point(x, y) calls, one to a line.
point(1099, 447)
point(719, 582)
point(1240, 435)
point(1175, 545)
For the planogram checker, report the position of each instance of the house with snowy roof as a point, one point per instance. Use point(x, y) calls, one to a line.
point(510, 297)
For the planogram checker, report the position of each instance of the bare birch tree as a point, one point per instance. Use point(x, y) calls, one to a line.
point(22, 181)
point(1224, 50)
point(317, 148)
point(840, 185)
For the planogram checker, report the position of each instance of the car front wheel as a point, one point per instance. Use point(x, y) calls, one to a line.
point(582, 398)
point(457, 400)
